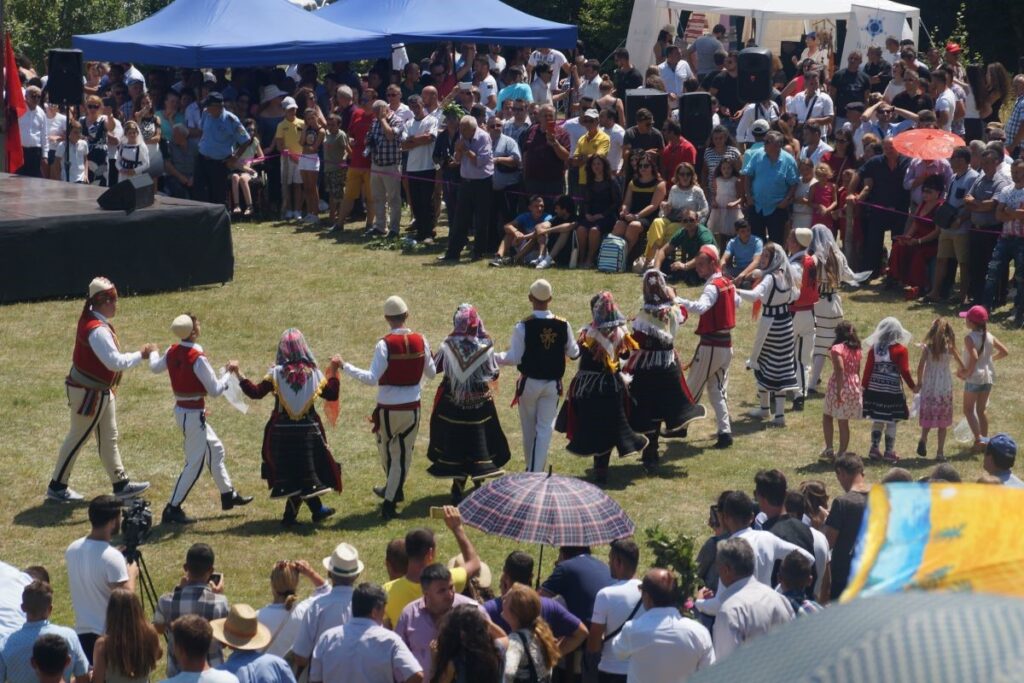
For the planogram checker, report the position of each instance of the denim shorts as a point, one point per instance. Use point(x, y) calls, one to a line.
point(977, 388)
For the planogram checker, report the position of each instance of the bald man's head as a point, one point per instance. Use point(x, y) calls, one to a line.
point(659, 588)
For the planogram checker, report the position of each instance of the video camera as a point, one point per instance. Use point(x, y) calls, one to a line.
point(136, 524)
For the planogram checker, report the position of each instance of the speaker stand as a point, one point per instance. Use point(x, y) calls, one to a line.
point(67, 145)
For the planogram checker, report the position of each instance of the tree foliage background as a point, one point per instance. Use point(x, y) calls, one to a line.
point(996, 27)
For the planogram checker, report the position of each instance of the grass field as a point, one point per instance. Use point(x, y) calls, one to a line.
point(333, 291)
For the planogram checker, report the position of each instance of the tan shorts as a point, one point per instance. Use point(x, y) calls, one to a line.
point(358, 183)
point(290, 171)
point(954, 246)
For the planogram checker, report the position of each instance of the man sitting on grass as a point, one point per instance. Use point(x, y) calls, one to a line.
point(742, 253)
point(559, 229)
point(520, 240)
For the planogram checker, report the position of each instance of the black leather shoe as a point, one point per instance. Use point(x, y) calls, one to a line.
point(798, 403)
point(379, 492)
point(387, 510)
point(175, 515)
point(232, 498)
point(322, 514)
point(724, 441)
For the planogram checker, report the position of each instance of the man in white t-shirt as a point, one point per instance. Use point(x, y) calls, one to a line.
point(486, 83)
point(674, 71)
point(192, 638)
point(553, 58)
point(613, 607)
point(945, 100)
point(609, 119)
point(590, 80)
point(420, 134)
point(95, 568)
point(12, 581)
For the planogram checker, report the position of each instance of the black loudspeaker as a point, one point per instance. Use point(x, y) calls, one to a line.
point(695, 117)
point(64, 77)
point(653, 100)
point(755, 74)
point(129, 194)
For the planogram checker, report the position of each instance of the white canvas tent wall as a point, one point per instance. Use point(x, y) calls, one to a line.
point(649, 16)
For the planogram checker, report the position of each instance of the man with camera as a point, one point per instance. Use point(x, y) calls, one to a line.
point(95, 568)
point(199, 593)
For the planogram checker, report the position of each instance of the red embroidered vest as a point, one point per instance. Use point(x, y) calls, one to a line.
point(180, 360)
point(722, 315)
point(808, 286)
point(86, 367)
point(406, 359)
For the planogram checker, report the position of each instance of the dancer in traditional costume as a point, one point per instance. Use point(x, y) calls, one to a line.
point(466, 440)
point(540, 344)
point(772, 357)
point(192, 379)
point(828, 309)
point(806, 267)
point(659, 392)
point(96, 367)
point(594, 414)
point(297, 463)
point(709, 368)
point(401, 360)
point(886, 369)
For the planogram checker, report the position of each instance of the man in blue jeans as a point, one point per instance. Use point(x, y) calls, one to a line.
point(771, 180)
point(1010, 247)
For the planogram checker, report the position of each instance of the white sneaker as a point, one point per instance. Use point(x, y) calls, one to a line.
point(545, 262)
point(760, 413)
point(66, 495)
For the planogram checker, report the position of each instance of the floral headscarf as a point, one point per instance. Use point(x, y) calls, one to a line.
point(606, 314)
point(467, 358)
point(467, 323)
point(658, 296)
point(297, 379)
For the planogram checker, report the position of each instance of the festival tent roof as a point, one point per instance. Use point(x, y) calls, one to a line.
point(649, 16)
point(224, 33)
point(472, 21)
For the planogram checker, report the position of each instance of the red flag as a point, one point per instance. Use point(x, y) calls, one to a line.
point(15, 108)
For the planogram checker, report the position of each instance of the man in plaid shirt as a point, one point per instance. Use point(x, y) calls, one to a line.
point(1015, 125)
point(197, 595)
point(384, 141)
point(1010, 247)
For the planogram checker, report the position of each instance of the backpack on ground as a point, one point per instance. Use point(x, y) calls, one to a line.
point(611, 257)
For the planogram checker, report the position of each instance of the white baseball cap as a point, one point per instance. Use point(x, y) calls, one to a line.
point(289, 103)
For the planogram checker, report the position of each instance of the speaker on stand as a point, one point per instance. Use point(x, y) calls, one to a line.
point(755, 74)
point(64, 86)
point(656, 101)
point(695, 117)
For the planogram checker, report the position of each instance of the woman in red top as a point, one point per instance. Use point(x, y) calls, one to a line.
point(823, 197)
point(915, 249)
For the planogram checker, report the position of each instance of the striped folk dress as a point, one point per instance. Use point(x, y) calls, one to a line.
point(776, 363)
point(828, 313)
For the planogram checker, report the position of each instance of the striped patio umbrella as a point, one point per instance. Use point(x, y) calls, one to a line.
point(535, 507)
point(933, 637)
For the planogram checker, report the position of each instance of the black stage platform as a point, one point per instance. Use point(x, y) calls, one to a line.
point(54, 239)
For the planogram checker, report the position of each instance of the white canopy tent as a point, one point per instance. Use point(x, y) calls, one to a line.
point(867, 20)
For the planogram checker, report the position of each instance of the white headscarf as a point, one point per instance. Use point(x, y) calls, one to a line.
point(822, 242)
point(780, 264)
point(888, 332)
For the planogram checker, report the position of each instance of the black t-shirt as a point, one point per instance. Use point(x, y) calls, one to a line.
point(884, 72)
point(627, 80)
point(726, 90)
point(638, 141)
point(845, 516)
point(912, 104)
point(887, 183)
point(851, 86)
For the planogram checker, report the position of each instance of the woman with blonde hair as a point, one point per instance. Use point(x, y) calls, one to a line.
point(283, 616)
point(532, 651)
point(130, 648)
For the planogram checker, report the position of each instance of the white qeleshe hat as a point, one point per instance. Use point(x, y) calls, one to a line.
point(98, 285)
point(344, 561)
point(395, 306)
point(803, 236)
point(541, 290)
point(182, 326)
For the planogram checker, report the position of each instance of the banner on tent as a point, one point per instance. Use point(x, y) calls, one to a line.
point(870, 26)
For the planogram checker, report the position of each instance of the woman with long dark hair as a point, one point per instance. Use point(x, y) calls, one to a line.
point(465, 648)
point(644, 195)
point(130, 648)
point(997, 89)
point(598, 214)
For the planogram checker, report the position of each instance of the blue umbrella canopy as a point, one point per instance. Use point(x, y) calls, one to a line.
point(905, 638)
point(542, 508)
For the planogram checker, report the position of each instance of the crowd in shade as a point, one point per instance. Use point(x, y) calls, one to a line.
point(528, 157)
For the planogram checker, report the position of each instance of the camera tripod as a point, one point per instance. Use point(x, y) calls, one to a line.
point(146, 587)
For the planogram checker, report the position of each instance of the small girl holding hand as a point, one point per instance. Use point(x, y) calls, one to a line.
point(843, 398)
point(935, 385)
point(886, 369)
point(981, 350)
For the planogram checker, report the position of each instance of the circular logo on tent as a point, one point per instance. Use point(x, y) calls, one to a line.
point(875, 27)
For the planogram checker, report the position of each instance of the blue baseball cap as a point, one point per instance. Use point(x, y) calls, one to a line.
point(1002, 445)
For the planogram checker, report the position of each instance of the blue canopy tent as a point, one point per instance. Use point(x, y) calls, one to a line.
point(471, 21)
point(225, 33)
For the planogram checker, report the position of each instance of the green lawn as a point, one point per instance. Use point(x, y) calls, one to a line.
point(333, 291)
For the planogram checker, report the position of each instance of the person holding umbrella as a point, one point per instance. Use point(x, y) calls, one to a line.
point(593, 416)
point(466, 440)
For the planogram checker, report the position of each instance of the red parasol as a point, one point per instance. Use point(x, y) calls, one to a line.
point(929, 144)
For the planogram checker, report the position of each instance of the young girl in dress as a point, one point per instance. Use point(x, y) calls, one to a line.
point(886, 369)
point(309, 165)
point(466, 440)
point(726, 200)
point(935, 385)
point(242, 171)
point(981, 349)
point(802, 210)
point(823, 196)
point(843, 398)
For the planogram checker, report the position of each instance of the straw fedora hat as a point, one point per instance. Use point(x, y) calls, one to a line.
point(241, 630)
point(344, 561)
point(483, 579)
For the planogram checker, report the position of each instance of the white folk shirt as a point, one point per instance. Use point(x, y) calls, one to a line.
point(708, 297)
point(616, 134)
point(663, 646)
point(675, 78)
point(517, 345)
point(390, 395)
point(613, 605)
point(101, 341)
point(751, 610)
point(203, 370)
point(33, 127)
